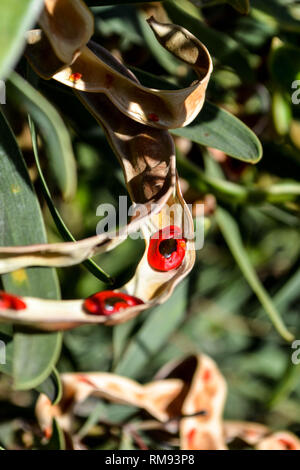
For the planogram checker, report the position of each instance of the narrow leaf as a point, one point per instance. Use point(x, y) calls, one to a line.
point(57, 441)
point(62, 228)
point(34, 357)
point(21, 223)
point(154, 333)
point(16, 17)
point(53, 130)
point(52, 387)
point(230, 231)
point(215, 127)
point(287, 16)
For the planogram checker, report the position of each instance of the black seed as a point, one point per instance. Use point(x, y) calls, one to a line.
point(167, 247)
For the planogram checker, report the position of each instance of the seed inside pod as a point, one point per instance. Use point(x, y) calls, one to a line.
point(74, 77)
point(11, 302)
point(166, 249)
point(109, 302)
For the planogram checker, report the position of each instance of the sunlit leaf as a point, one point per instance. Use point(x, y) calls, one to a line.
point(16, 17)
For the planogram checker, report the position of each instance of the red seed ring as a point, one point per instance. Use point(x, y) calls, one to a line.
point(11, 302)
point(74, 77)
point(166, 249)
point(109, 302)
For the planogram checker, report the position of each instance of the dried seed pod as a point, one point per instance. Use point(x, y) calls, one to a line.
point(164, 109)
point(206, 392)
point(250, 433)
point(67, 38)
point(60, 42)
point(102, 73)
point(280, 440)
point(186, 396)
point(147, 156)
point(154, 397)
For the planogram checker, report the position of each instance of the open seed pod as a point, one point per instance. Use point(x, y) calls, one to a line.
point(185, 397)
point(245, 431)
point(164, 398)
point(205, 391)
point(280, 440)
point(61, 41)
point(260, 437)
point(149, 285)
point(96, 72)
point(147, 288)
point(154, 397)
point(147, 157)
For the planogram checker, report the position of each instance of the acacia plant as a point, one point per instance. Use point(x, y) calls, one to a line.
point(143, 337)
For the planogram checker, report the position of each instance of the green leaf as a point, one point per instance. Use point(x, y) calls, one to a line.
point(52, 128)
point(21, 223)
point(98, 412)
point(121, 334)
point(286, 15)
point(52, 387)
point(281, 112)
point(228, 51)
point(215, 127)
point(161, 322)
point(126, 442)
point(231, 233)
point(21, 218)
point(242, 6)
point(16, 17)
point(284, 64)
point(34, 357)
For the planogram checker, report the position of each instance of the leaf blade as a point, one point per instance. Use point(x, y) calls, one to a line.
point(153, 334)
point(231, 233)
point(217, 128)
point(53, 130)
point(22, 223)
point(15, 19)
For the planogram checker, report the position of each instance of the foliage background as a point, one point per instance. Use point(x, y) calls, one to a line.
point(214, 310)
